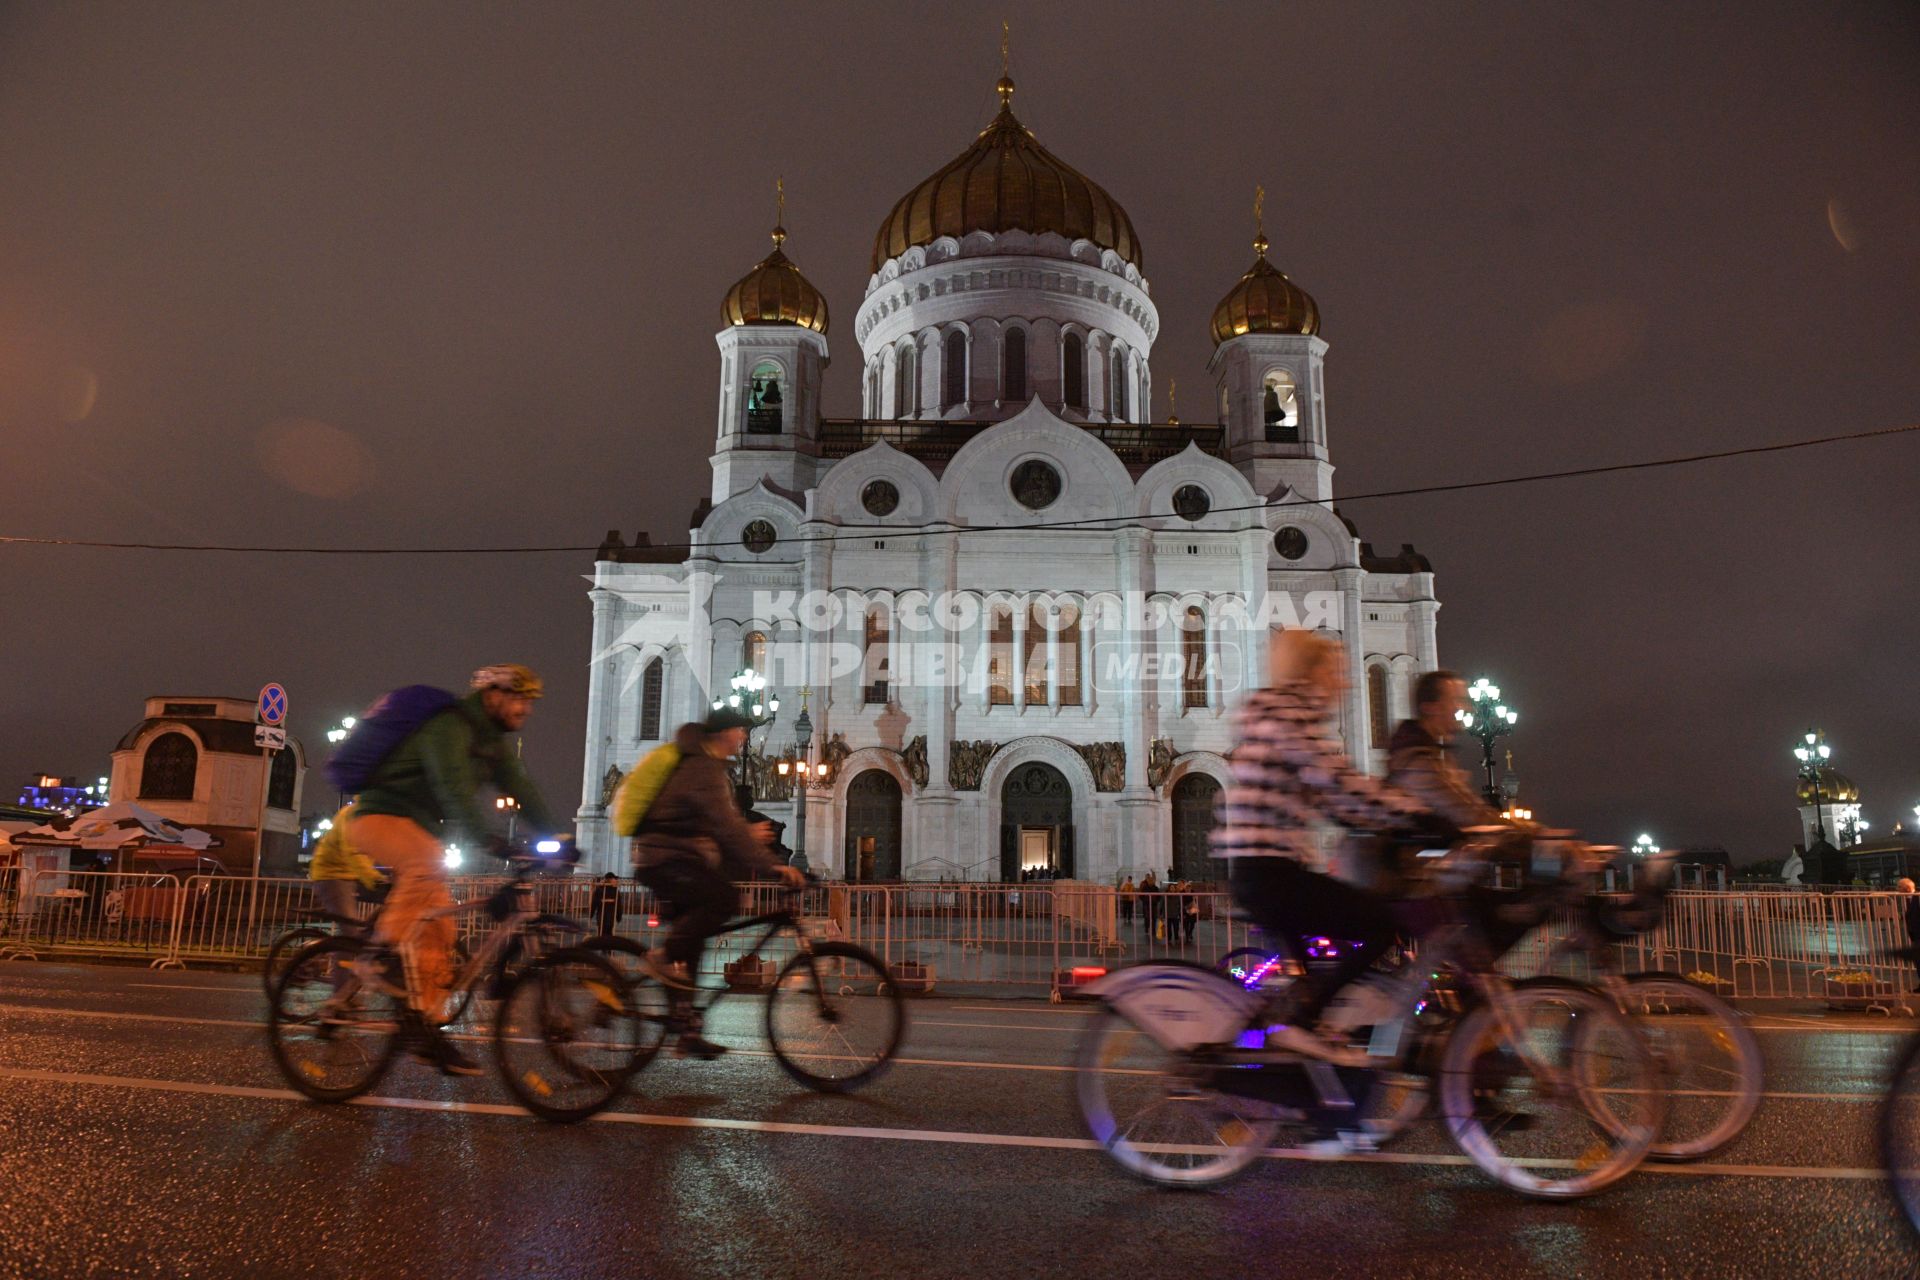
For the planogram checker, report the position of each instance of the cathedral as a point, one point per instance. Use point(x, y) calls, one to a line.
point(996, 625)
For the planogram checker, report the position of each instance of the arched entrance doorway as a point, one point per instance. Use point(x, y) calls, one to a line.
point(1036, 823)
point(873, 827)
point(1193, 819)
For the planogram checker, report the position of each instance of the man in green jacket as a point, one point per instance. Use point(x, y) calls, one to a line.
point(426, 792)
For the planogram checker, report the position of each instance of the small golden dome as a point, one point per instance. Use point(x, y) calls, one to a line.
point(1264, 301)
point(775, 292)
point(1007, 181)
point(1835, 788)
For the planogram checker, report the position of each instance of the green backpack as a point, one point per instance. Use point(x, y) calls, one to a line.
point(639, 789)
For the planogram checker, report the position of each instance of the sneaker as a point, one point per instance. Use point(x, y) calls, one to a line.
point(436, 1050)
point(1327, 1145)
point(666, 973)
point(693, 1045)
point(1309, 1045)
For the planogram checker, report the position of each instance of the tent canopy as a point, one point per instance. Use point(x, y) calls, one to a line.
point(121, 825)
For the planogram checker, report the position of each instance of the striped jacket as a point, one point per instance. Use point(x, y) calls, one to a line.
point(1289, 774)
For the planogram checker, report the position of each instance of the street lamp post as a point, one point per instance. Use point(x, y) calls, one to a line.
point(511, 807)
point(1813, 753)
point(1489, 720)
point(799, 764)
point(1644, 847)
point(749, 697)
point(336, 736)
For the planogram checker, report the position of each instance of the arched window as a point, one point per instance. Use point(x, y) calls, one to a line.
point(1000, 657)
point(1379, 721)
point(1033, 663)
point(1117, 385)
point(1073, 369)
point(953, 382)
point(1071, 636)
point(281, 776)
point(1193, 658)
point(876, 672)
point(168, 769)
point(652, 683)
point(903, 389)
point(1280, 408)
point(873, 389)
point(753, 651)
point(765, 400)
point(1013, 367)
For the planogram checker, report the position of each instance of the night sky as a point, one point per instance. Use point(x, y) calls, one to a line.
point(344, 276)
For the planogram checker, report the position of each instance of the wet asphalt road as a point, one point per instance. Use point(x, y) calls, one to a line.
point(146, 1132)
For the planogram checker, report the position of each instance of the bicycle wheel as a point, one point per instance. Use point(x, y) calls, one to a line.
point(1155, 1110)
point(332, 1035)
point(835, 1017)
point(1570, 1109)
point(564, 1035)
point(1900, 1132)
point(651, 1008)
point(1709, 1058)
point(281, 953)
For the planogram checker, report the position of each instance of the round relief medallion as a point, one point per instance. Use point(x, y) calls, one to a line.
point(880, 497)
point(758, 536)
point(1190, 502)
point(1035, 484)
point(1291, 542)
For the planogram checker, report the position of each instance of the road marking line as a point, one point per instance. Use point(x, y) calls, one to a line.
point(871, 1132)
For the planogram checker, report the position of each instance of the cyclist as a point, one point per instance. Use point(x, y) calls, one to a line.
point(693, 848)
point(339, 869)
point(424, 792)
point(1288, 775)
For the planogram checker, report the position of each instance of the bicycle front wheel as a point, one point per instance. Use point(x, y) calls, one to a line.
point(565, 1035)
point(1709, 1057)
point(1900, 1132)
point(1159, 1113)
point(281, 953)
point(835, 1017)
point(653, 1011)
point(1563, 1103)
point(332, 1032)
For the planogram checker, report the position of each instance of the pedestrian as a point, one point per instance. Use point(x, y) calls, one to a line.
point(1910, 910)
point(1149, 904)
point(1126, 901)
point(603, 905)
point(1191, 919)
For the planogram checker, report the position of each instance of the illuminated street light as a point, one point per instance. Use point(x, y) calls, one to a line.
point(1644, 847)
point(1813, 753)
point(749, 697)
point(509, 806)
point(1489, 720)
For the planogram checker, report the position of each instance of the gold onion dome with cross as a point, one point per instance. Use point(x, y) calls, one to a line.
point(775, 292)
point(1264, 300)
point(1835, 788)
point(1007, 181)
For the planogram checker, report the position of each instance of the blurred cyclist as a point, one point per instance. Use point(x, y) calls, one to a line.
point(426, 792)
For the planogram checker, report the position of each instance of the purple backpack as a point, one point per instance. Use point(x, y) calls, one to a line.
point(381, 729)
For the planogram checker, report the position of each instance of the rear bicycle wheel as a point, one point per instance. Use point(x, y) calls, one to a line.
point(1709, 1058)
point(331, 1033)
point(1155, 1109)
point(835, 1018)
point(564, 1035)
point(1570, 1109)
point(281, 953)
point(1900, 1133)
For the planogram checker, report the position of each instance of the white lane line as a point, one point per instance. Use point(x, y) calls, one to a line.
point(999, 1026)
point(1050, 1011)
point(252, 989)
point(870, 1132)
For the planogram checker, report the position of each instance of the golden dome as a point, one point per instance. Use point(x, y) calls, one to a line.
point(1007, 181)
point(1264, 301)
point(1835, 788)
point(775, 292)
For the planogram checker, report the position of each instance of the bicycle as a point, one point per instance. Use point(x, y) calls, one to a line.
point(1899, 1122)
point(563, 1035)
point(1174, 1080)
point(288, 944)
point(834, 1015)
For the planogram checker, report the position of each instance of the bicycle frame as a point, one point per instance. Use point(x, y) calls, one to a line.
point(775, 922)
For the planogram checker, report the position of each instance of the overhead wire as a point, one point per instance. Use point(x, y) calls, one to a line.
point(1106, 524)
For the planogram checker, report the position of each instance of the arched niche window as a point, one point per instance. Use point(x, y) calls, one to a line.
point(167, 771)
point(1073, 371)
point(903, 388)
point(281, 776)
point(953, 371)
point(1033, 662)
point(766, 400)
point(1000, 657)
point(1013, 367)
point(1193, 657)
point(1067, 674)
point(1379, 720)
point(753, 651)
point(1117, 388)
point(652, 685)
point(873, 389)
point(1280, 407)
point(877, 667)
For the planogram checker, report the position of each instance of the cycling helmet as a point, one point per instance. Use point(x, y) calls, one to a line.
point(509, 677)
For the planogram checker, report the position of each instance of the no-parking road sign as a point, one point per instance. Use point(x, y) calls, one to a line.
point(271, 709)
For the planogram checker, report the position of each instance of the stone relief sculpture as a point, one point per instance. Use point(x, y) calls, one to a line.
point(967, 762)
point(834, 752)
point(1108, 761)
point(915, 757)
point(1160, 757)
point(610, 784)
point(763, 776)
